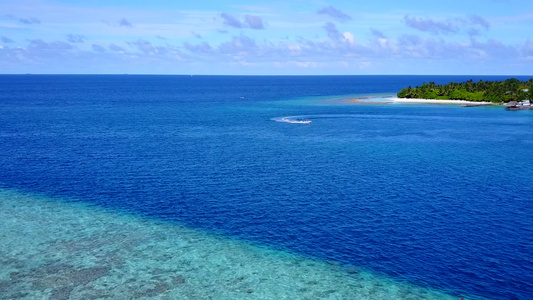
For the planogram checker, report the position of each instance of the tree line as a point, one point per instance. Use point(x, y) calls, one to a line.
point(494, 91)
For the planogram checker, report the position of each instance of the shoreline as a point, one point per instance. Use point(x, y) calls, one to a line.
point(390, 100)
point(437, 101)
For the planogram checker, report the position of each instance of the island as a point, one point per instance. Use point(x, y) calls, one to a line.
point(498, 92)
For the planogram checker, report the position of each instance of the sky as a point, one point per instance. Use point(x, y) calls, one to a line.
point(290, 37)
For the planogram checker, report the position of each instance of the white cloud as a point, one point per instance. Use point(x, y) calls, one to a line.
point(334, 13)
point(294, 49)
point(198, 36)
point(349, 37)
point(429, 25)
point(75, 38)
point(116, 48)
point(332, 31)
point(230, 20)
point(98, 48)
point(254, 22)
point(124, 23)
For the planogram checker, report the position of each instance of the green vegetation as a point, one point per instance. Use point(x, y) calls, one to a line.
point(493, 91)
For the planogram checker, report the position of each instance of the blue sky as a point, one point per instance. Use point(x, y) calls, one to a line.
point(266, 37)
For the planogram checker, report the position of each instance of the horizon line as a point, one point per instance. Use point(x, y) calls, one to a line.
point(247, 75)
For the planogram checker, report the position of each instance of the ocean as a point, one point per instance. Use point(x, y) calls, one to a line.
point(193, 187)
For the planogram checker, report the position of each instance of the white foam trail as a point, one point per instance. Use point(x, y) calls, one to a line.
point(292, 120)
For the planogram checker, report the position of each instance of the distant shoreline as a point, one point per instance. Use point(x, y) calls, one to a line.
point(389, 100)
point(437, 101)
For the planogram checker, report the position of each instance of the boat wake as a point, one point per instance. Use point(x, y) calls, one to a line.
point(306, 119)
point(292, 120)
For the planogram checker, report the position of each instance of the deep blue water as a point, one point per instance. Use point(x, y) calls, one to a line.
point(438, 195)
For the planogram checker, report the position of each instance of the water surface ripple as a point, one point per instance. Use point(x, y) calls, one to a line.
point(435, 195)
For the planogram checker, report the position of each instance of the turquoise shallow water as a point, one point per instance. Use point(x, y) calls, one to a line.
point(52, 249)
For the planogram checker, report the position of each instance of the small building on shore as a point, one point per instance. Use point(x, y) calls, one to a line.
point(522, 105)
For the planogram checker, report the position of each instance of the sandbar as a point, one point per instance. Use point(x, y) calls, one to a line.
point(436, 101)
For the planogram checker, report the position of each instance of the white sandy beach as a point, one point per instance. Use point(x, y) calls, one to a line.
point(435, 101)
